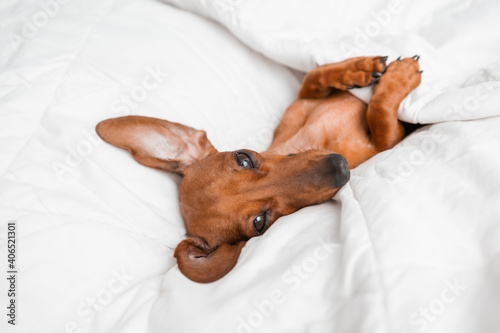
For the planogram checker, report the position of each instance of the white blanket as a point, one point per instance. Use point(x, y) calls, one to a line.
point(417, 229)
point(457, 42)
point(409, 245)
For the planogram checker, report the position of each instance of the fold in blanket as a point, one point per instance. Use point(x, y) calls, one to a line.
point(457, 42)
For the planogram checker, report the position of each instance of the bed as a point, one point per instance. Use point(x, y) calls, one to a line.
point(410, 244)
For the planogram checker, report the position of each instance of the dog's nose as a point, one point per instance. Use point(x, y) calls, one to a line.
point(340, 169)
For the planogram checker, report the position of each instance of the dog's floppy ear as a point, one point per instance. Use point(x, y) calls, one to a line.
point(206, 265)
point(157, 143)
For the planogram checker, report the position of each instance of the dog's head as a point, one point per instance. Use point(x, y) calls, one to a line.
point(225, 197)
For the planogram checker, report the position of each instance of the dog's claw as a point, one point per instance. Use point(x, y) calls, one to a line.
point(383, 59)
point(399, 58)
point(355, 86)
point(376, 74)
point(421, 71)
point(416, 57)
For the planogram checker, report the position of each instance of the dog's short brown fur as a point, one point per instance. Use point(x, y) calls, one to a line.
point(228, 197)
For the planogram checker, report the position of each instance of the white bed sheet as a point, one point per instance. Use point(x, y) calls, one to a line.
point(410, 245)
point(97, 230)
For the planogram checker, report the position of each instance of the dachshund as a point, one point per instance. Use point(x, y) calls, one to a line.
point(228, 197)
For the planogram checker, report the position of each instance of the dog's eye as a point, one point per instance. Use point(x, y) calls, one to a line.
point(260, 223)
point(244, 160)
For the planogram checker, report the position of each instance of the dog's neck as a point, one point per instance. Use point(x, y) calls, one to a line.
point(295, 145)
point(290, 147)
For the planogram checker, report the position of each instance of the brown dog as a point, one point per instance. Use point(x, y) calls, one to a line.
point(228, 197)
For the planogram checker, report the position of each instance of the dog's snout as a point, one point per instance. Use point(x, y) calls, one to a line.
point(339, 168)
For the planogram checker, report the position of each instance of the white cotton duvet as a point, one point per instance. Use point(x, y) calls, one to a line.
point(409, 245)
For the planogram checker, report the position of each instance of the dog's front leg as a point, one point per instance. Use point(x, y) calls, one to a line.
point(400, 78)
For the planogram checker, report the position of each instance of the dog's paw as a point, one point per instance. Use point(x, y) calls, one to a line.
point(351, 73)
point(363, 71)
point(401, 76)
